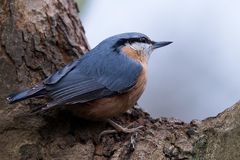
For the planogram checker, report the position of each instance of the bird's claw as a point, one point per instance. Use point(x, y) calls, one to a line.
point(118, 129)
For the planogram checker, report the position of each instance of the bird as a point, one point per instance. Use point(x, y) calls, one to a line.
point(105, 82)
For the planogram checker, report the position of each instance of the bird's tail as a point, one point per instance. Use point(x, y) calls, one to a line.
point(28, 93)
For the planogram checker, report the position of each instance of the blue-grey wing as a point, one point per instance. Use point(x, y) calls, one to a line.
point(114, 70)
point(79, 89)
point(58, 75)
point(92, 77)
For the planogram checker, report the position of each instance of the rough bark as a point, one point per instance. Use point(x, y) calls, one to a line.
point(36, 38)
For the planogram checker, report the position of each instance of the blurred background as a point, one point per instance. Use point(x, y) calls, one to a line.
point(195, 77)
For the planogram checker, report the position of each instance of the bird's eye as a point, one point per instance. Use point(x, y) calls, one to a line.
point(144, 40)
point(141, 39)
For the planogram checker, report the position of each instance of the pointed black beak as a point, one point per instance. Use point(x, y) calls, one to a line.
point(160, 44)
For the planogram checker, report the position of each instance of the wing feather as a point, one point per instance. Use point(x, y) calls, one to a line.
point(94, 76)
point(57, 76)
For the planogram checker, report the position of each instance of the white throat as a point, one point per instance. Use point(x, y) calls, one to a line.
point(141, 48)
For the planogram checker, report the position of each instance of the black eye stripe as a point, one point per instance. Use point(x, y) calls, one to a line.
point(141, 39)
point(132, 40)
point(145, 40)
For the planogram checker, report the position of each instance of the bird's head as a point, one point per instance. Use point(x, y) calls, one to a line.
point(136, 41)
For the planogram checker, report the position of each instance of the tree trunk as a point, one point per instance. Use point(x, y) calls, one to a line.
point(39, 36)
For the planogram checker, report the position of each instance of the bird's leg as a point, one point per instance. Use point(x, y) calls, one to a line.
point(122, 129)
point(119, 128)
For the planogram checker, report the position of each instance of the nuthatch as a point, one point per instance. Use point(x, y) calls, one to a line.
point(103, 83)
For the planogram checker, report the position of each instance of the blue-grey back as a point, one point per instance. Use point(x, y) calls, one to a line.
point(105, 64)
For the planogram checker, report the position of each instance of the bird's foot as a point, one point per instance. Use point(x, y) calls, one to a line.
point(118, 128)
